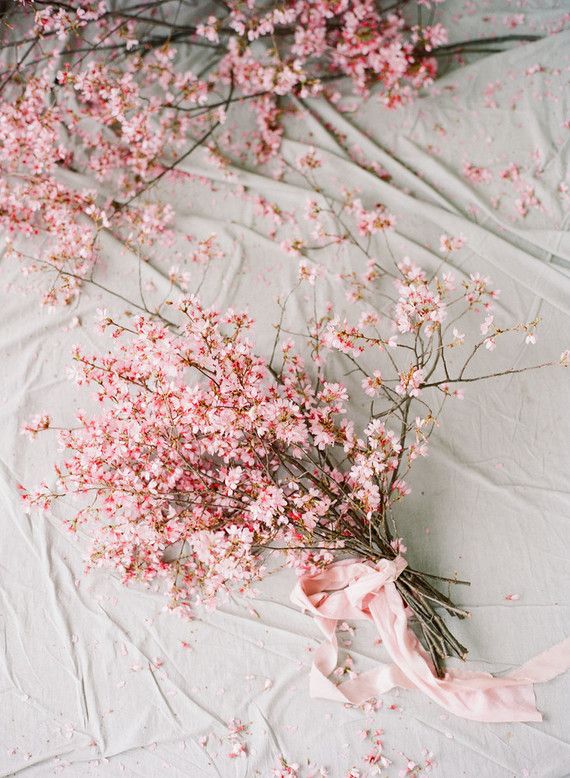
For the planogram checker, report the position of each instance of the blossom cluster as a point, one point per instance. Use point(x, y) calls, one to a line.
point(192, 479)
point(204, 457)
point(357, 38)
point(125, 109)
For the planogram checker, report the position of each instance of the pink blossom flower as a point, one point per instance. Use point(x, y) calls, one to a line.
point(458, 337)
point(447, 244)
point(418, 304)
point(286, 769)
point(373, 383)
point(511, 173)
point(377, 220)
point(410, 382)
point(478, 175)
point(308, 272)
point(486, 324)
point(479, 293)
point(293, 247)
point(514, 20)
point(37, 424)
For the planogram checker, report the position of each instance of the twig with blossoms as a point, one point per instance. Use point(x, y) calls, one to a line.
point(204, 458)
point(105, 91)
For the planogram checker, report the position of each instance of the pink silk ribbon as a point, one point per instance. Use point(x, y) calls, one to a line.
point(356, 589)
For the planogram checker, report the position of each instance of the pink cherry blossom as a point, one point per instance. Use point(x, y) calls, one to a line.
point(410, 382)
point(447, 244)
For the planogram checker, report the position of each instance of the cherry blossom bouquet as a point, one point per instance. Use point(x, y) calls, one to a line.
point(206, 458)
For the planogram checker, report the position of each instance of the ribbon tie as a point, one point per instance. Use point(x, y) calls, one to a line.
point(356, 589)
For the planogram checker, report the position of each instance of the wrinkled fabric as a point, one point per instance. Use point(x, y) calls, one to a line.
point(97, 679)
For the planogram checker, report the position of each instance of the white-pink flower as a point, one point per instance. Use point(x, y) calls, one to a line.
point(448, 244)
point(410, 381)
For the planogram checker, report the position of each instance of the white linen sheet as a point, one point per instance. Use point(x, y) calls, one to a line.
point(97, 679)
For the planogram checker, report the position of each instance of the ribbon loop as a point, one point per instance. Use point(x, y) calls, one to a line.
point(356, 589)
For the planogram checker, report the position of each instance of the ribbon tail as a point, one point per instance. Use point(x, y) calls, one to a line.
point(472, 695)
point(355, 691)
point(545, 666)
